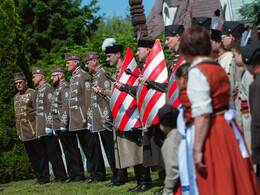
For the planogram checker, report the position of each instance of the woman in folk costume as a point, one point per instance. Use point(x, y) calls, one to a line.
point(221, 159)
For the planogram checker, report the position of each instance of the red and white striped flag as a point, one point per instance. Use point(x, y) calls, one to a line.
point(149, 101)
point(123, 106)
point(173, 91)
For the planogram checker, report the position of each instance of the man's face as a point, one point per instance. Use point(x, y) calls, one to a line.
point(171, 42)
point(71, 65)
point(142, 53)
point(20, 85)
point(91, 65)
point(36, 79)
point(112, 58)
point(237, 58)
point(55, 78)
point(226, 40)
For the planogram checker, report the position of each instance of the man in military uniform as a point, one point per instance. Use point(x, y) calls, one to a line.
point(232, 31)
point(60, 112)
point(44, 124)
point(79, 103)
point(25, 107)
point(251, 57)
point(99, 112)
point(222, 55)
point(172, 40)
point(124, 145)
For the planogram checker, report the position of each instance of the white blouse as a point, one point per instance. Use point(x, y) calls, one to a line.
point(198, 91)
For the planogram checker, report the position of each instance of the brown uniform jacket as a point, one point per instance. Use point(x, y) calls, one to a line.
point(127, 152)
point(43, 108)
point(24, 107)
point(254, 104)
point(99, 111)
point(79, 100)
point(60, 106)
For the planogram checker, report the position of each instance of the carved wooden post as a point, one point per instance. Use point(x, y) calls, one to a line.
point(138, 18)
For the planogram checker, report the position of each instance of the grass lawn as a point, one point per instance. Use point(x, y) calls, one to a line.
point(26, 187)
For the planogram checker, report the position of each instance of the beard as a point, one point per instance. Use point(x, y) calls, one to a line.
point(56, 83)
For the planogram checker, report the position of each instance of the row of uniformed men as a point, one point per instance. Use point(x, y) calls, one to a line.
point(70, 109)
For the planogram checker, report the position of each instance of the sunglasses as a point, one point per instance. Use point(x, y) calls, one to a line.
point(54, 75)
point(17, 83)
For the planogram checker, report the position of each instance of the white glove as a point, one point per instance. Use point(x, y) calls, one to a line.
point(55, 133)
point(63, 129)
point(90, 126)
point(48, 131)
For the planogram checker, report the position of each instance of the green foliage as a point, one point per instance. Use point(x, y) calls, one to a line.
point(15, 165)
point(49, 25)
point(114, 26)
point(251, 11)
point(121, 31)
point(12, 59)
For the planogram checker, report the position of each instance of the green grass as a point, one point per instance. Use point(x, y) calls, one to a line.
point(26, 187)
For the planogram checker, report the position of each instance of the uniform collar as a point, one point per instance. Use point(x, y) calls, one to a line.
point(61, 82)
point(25, 91)
point(97, 69)
point(76, 71)
point(42, 85)
point(256, 72)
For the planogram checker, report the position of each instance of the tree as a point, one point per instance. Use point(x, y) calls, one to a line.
point(49, 25)
point(251, 11)
point(14, 162)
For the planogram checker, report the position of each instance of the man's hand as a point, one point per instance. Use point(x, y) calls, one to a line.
point(118, 84)
point(142, 80)
point(96, 89)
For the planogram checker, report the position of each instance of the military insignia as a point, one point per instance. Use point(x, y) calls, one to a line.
point(38, 70)
point(58, 68)
point(50, 97)
point(89, 113)
point(90, 56)
point(66, 94)
point(73, 56)
point(107, 84)
point(105, 114)
point(87, 85)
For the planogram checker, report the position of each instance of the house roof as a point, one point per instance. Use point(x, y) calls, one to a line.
point(186, 10)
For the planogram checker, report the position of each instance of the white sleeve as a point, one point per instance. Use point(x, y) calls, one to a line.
point(198, 91)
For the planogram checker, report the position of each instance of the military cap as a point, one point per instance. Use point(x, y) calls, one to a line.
point(148, 43)
point(90, 56)
point(168, 115)
point(216, 35)
point(251, 53)
point(173, 30)
point(114, 48)
point(57, 69)
point(72, 56)
point(19, 76)
point(234, 28)
point(201, 21)
point(37, 70)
